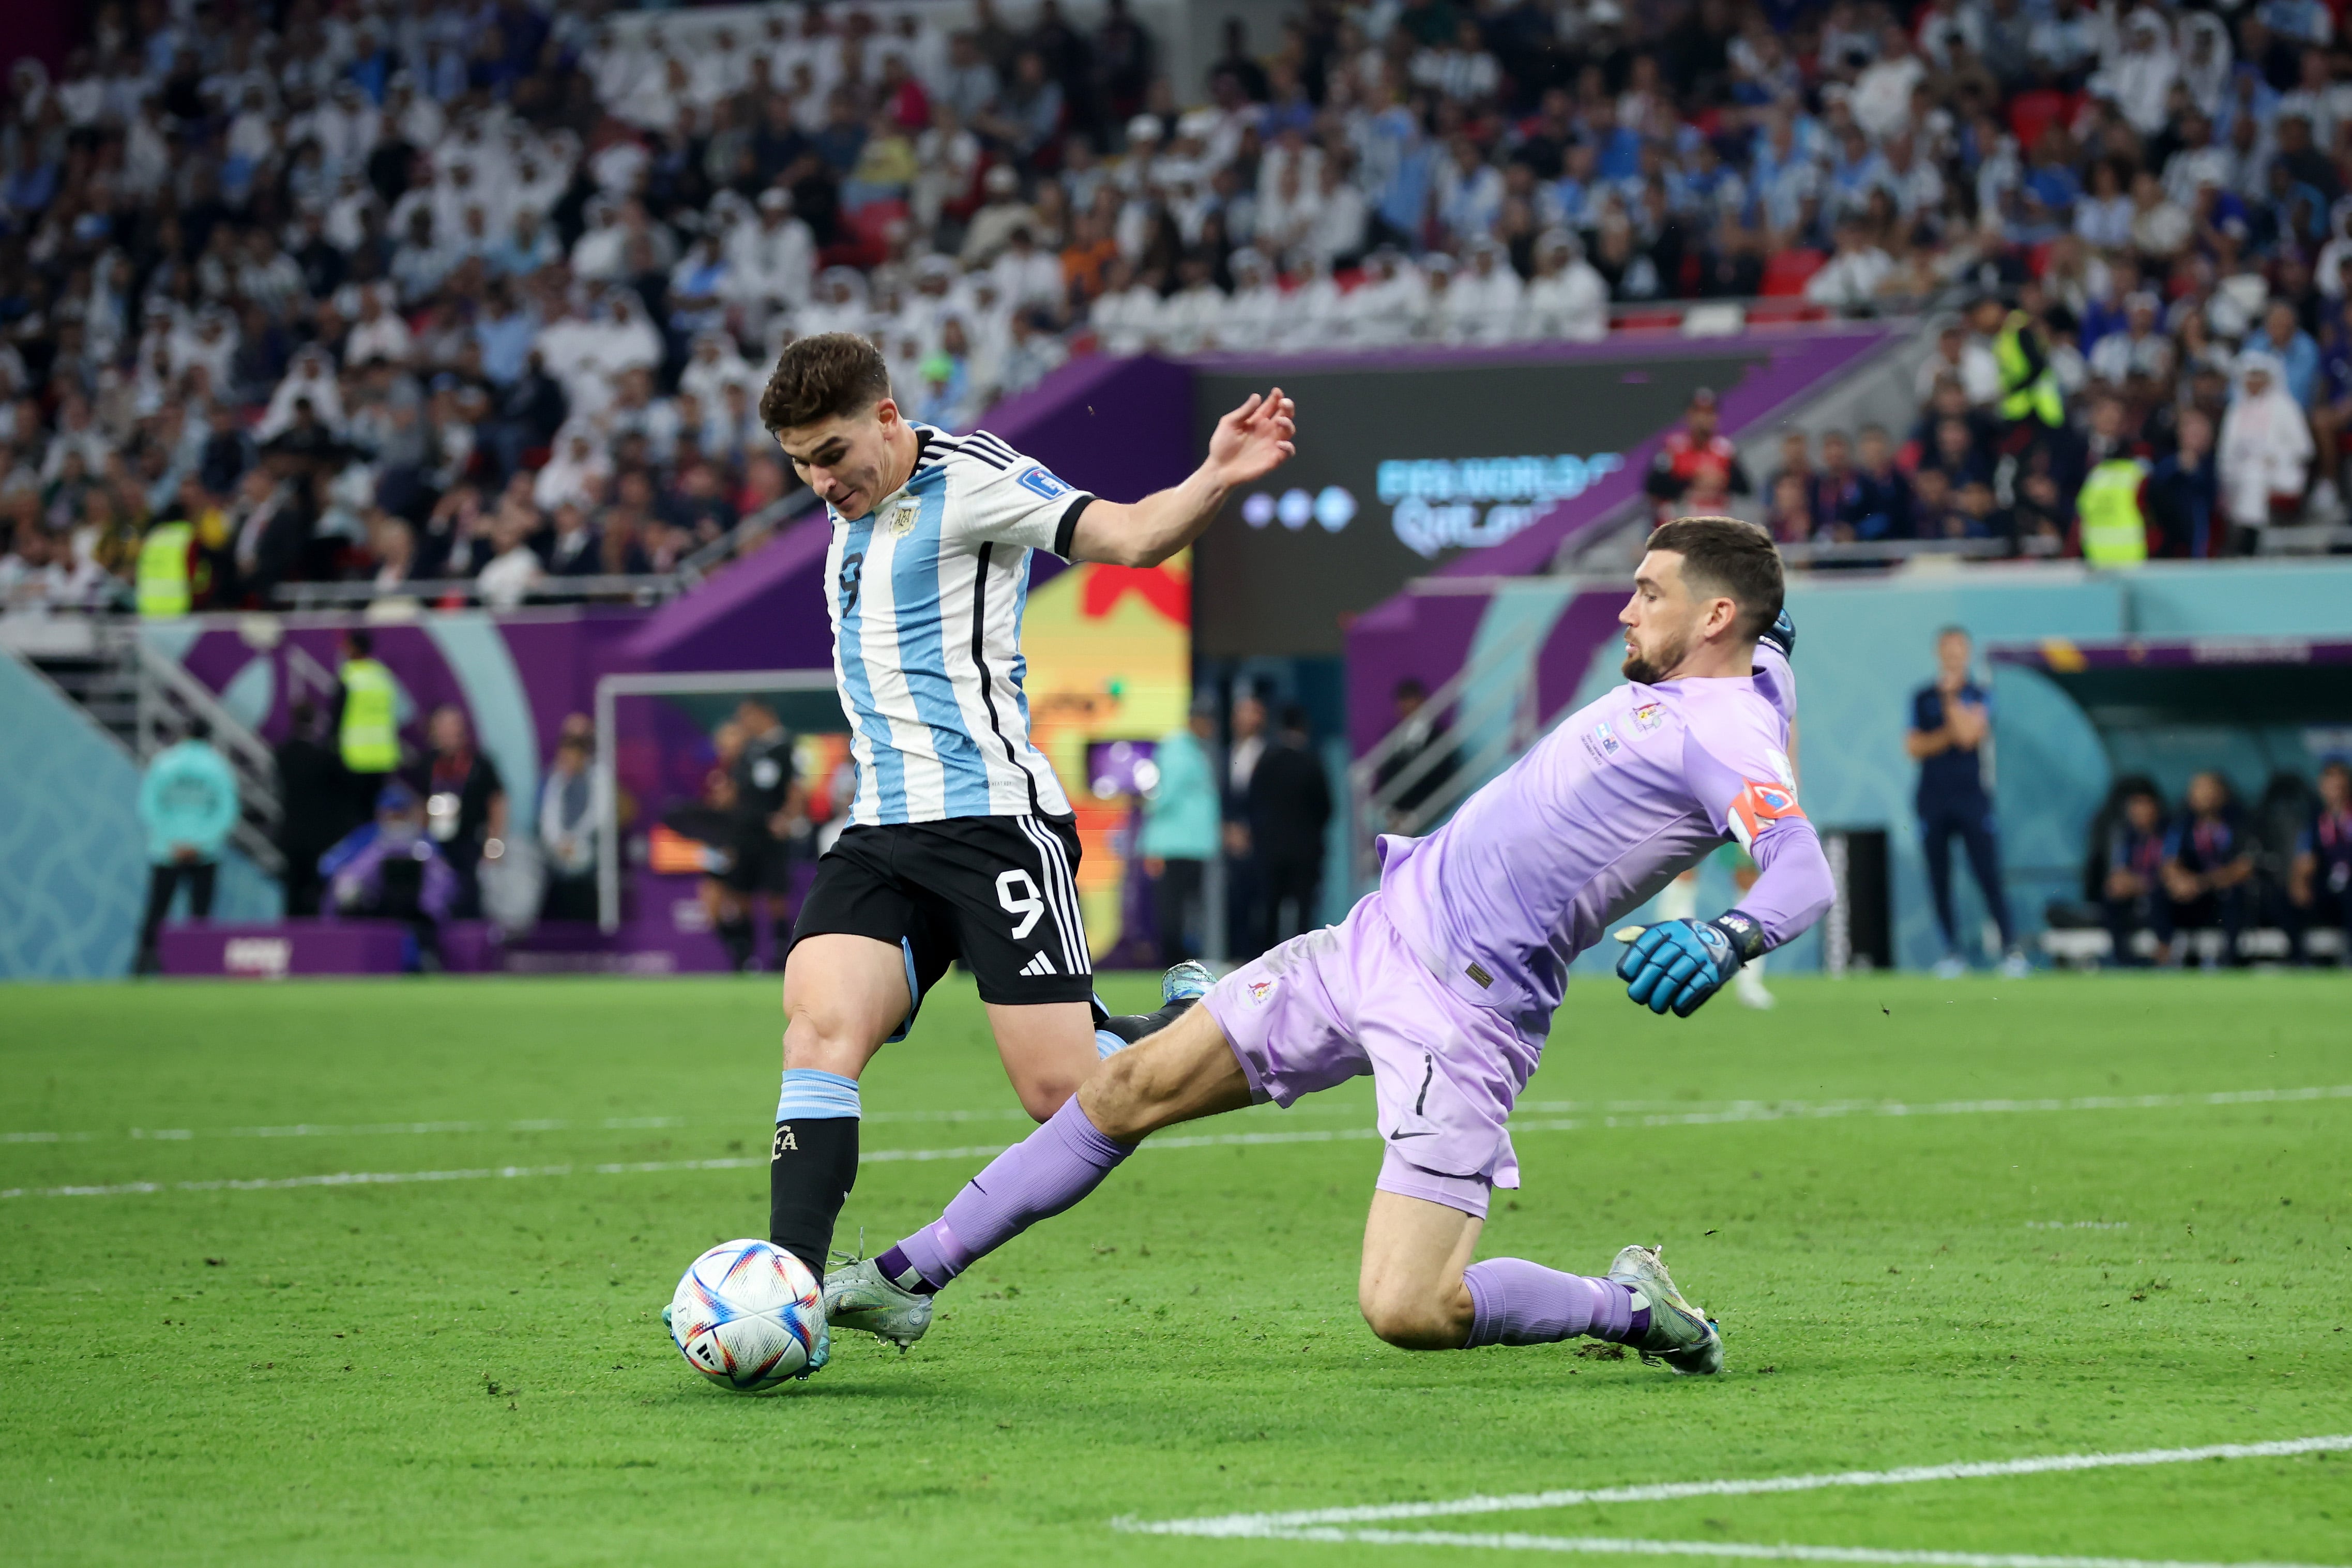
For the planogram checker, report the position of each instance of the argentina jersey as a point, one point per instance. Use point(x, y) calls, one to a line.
point(926, 593)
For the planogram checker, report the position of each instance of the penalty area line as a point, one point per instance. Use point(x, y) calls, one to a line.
point(1588, 1114)
point(1257, 1525)
point(1735, 1113)
point(1779, 1552)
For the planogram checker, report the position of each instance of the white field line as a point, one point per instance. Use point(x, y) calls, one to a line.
point(482, 1173)
point(1254, 1525)
point(1611, 1113)
point(1736, 1114)
point(1729, 1549)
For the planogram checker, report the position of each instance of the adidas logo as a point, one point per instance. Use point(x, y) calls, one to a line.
point(1040, 965)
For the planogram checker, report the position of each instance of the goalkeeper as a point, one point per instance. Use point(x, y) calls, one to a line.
point(1442, 984)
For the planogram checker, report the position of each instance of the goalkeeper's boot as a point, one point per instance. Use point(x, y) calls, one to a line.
point(1682, 1337)
point(1187, 982)
point(858, 1295)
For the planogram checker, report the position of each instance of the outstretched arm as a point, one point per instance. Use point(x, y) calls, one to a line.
point(1249, 444)
point(1678, 964)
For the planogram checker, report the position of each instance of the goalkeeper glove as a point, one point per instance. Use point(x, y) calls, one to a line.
point(1782, 634)
point(1678, 964)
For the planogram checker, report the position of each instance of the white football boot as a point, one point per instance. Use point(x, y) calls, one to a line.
point(858, 1295)
point(1682, 1337)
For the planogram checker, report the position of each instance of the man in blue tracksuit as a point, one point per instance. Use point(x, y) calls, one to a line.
point(1951, 718)
point(187, 803)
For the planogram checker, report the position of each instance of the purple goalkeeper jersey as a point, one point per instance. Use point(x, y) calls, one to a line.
point(1597, 816)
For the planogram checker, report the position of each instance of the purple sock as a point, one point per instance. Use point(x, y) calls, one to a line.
point(1514, 1302)
point(1036, 1179)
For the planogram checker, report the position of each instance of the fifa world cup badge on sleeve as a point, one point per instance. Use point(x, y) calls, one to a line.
point(1757, 807)
point(1043, 483)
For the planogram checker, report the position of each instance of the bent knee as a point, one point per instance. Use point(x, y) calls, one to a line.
point(826, 1049)
point(1413, 1321)
point(1044, 1093)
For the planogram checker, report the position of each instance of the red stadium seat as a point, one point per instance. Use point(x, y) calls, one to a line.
point(1784, 312)
point(864, 239)
point(1666, 320)
point(2031, 113)
point(1786, 273)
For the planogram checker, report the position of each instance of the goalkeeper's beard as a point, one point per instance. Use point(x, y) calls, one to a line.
point(1649, 672)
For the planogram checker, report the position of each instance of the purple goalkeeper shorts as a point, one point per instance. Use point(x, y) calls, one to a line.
point(1352, 999)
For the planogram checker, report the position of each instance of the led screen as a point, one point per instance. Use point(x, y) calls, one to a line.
point(1403, 470)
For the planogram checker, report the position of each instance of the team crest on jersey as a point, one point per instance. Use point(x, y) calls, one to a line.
point(1043, 483)
point(1648, 717)
point(903, 516)
point(1759, 805)
point(1258, 992)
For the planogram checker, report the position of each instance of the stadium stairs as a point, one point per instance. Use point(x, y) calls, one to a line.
point(142, 701)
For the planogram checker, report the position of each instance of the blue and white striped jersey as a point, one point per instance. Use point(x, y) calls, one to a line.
point(926, 592)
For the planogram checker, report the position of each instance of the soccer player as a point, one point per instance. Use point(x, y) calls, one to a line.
point(961, 842)
point(1442, 983)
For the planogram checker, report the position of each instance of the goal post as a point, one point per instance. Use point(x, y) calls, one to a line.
point(805, 699)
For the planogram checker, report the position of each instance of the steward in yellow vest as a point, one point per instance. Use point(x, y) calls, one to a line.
point(368, 731)
point(166, 581)
point(2113, 520)
point(2029, 387)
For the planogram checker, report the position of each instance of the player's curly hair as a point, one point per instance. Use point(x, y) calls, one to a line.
point(820, 377)
point(1728, 555)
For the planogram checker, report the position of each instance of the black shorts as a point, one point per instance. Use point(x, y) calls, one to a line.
point(998, 893)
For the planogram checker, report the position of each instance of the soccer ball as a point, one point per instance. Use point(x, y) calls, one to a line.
point(747, 1316)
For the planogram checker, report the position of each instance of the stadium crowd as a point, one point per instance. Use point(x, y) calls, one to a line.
point(311, 290)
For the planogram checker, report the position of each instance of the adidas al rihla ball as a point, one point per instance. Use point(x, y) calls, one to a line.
point(747, 1316)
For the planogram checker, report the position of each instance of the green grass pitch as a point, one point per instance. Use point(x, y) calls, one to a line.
point(472, 1369)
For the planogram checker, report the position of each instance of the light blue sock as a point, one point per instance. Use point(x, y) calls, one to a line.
point(811, 1095)
point(1107, 1044)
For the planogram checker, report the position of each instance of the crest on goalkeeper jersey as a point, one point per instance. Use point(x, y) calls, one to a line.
point(1758, 806)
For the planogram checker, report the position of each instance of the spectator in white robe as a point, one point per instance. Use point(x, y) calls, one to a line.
point(1487, 295)
point(1252, 317)
point(1190, 317)
point(714, 362)
point(1568, 300)
point(379, 334)
point(2266, 449)
point(772, 259)
point(2138, 79)
point(1313, 314)
point(839, 305)
point(1387, 306)
point(577, 470)
point(310, 378)
point(1028, 273)
point(1127, 319)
